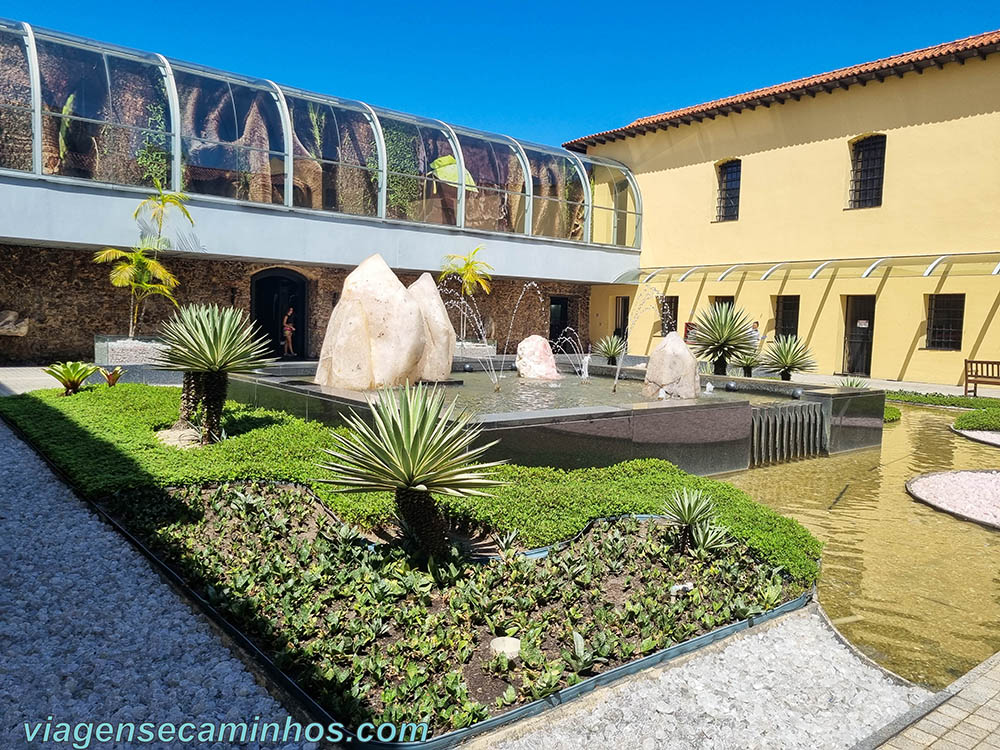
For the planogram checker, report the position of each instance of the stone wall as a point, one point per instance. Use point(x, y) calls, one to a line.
point(68, 299)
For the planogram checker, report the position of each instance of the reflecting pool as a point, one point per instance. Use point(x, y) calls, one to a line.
point(914, 588)
point(518, 394)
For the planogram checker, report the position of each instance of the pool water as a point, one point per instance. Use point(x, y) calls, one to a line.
point(478, 394)
point(915, 589)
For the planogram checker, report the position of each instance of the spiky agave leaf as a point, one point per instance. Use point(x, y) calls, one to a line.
point(722, 332)
point(415, 443)
point(789, 354)
point(610, 347)
point(209, 338)
point(688, 508)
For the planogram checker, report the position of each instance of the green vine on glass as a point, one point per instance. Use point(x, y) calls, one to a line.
point(152, 156)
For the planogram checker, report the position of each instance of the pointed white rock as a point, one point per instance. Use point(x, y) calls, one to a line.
point(672, 370)
point(439, 350)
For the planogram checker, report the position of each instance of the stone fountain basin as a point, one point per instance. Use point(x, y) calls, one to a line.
point(702, 436)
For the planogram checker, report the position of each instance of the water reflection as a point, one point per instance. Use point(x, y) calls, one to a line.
point(919, 588)
point(517, 394)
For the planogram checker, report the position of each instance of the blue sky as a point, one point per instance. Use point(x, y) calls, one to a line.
point(542, 71)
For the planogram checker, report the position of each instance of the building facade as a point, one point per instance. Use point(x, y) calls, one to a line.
point(857, 209)
point(288, 189)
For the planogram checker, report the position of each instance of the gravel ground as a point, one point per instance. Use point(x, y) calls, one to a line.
point(991, 437)
point(792, 685)
point(972, 494)
point(90, 633)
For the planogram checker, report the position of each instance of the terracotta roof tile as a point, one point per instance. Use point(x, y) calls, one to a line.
point(957, 51)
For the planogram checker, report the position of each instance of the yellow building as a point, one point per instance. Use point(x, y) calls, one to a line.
point(858, 209)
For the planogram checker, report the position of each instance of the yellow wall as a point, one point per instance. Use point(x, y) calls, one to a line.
point(602, 308)
point(941, 195)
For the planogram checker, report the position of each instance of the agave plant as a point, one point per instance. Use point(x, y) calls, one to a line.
point(788, 354)
point(748, 361)
point(708, 539)
point(207, 343)
point(853, 381)
point(722, 333)
point(71, 375)
point(687, 510)
point(111, 377)
point(611, 348)
point(415, 448)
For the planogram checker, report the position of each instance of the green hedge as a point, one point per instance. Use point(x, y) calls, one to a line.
point(891, 414)
point(981, 419)
point(103, 440)
point(942, 399)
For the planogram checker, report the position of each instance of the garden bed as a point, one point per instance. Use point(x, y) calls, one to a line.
point(369, 634)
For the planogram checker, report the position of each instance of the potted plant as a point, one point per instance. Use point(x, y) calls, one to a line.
point(722, 334)
point(611, 348)
point(788, 354)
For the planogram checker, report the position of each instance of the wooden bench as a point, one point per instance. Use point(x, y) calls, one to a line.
point(980, 371)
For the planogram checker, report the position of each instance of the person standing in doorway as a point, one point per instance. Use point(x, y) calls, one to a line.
point(287, 329)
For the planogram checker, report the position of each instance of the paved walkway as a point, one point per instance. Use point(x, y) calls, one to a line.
point(895, 385)
point(968, 718)
point(21, 379)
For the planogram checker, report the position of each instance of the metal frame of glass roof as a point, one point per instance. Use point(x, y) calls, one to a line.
point(168, 67)
point(869, 266)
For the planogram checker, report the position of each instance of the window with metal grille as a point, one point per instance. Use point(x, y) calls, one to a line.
point(786, 315)
point(724, 299)
point(728, 208)
point(945, 315)
point(668, 313)
point(867, 171)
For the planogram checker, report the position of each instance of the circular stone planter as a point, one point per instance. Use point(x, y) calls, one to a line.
point(970, 495)
point(986, 437)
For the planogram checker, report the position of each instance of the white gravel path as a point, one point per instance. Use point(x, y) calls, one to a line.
point(791, 685)
point(990, 437)
point(973, 495)
point(89, 632)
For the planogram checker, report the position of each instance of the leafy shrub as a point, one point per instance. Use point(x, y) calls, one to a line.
point(111, 377)
point(611, 348)
point(981, 419)
point(891, 414)
point(71, 375)
point(104, 441)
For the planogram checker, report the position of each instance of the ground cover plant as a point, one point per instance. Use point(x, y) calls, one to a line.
point(373, 631)
point(891, 414)
point(375, 637)
point(980, 419)
point(942, 399)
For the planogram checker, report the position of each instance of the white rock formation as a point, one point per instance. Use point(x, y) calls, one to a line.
point(10, 325)
point(672, 371)
point(376, 334)
point(439, 334)
point(535, 359)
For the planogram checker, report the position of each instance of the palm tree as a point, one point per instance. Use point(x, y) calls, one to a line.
point(473, 274)
point(208, 343)
point(721, 334)
point(158, 205)
point(788, 354)
point(414, 450)
point(139, 271)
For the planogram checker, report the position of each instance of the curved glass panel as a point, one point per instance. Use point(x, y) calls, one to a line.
point(104, 117)
point(15, 102)
point(335, 157)
point(557, 204)
point(494, 191)
point(613, 218)
point(231, 139)
point(422, 171)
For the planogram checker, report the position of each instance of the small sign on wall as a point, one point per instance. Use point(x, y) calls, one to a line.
point(862, 324)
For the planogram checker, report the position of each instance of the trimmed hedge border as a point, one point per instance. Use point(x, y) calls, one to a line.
point(891, 414)
point(943, 399)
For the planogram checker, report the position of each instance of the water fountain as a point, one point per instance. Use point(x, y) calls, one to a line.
point(570, 345)
point(646, 298)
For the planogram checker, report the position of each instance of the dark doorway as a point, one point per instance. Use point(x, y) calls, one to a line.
point(621, 316)
point(558, 316)
point(859, 327)
point(272, 292)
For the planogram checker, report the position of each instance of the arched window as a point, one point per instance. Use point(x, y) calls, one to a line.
point(867, 171)
point(728, 204)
